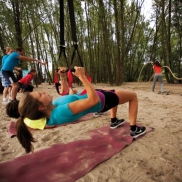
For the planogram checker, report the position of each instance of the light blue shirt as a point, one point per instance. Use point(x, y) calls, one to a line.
point(62, 114)
point(3, 60)
point(10, 62)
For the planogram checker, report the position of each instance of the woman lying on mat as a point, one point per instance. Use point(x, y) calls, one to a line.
point(69, 108)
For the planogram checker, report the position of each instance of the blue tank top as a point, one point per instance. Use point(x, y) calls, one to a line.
point(62, 114)
point(10, 62)
point(3, 60)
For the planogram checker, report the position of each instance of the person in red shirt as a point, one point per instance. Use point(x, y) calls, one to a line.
point(158, 75)
point(25, 82)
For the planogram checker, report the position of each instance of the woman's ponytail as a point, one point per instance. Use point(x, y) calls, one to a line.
point(24, 135)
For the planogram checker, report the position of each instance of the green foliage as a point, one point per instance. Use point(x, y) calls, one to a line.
point(114, 38)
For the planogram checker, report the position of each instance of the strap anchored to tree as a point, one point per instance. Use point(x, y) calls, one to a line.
point(73, 31)
point(74, 43)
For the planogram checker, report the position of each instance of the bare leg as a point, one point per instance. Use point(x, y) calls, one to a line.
point(9, 91)
point(14, 90)
point(113, 112)
point(5, 92)
point(64, 86)
point(131, 97)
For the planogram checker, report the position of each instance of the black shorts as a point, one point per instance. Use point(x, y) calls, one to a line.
point(111, 99)
point(28, 88)
point(9, 77)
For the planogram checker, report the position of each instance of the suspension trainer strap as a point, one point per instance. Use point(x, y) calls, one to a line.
point(62, 41)
point(73, 31)
point(62, 46)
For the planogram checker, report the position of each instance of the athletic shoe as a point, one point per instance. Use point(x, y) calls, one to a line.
point(117, 123)
point(97, 114)
point(5, 102)
point(139, 131)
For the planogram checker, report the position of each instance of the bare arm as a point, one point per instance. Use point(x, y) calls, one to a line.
point(47, 127)
point(84, 104)
point(17, 68)
point(25, 58)
point(64, 83)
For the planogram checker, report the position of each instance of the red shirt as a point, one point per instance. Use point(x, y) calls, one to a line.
point(27, 79)
point(157, 69)
point(56, 77)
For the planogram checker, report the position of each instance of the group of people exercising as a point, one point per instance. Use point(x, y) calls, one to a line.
point(38, 110)
point(10, 82)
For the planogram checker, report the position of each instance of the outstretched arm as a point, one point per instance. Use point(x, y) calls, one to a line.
point(25, 58)
point(92, 99)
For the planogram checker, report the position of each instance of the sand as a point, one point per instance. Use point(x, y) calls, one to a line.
point(156, 157)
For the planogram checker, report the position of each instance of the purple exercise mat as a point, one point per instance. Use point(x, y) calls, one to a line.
point(68, 162)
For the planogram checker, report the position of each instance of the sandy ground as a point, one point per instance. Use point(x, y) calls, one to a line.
point(156, 157)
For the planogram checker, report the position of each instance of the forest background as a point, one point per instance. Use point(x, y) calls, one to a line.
point(114, 39)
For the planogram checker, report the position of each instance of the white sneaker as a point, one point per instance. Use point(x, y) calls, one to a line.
point(97, 114)
point(5, 102)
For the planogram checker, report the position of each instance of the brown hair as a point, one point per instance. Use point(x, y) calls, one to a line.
point(12, 109)
point(28, 107)
point(32, 71)
point(20, 49)
point(156, 63)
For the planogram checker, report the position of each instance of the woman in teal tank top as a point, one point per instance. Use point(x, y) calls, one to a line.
point(69, 108)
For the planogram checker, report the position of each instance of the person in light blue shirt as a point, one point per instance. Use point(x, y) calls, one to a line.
point(5, 84)
point(11, 61)
point(7, 69)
